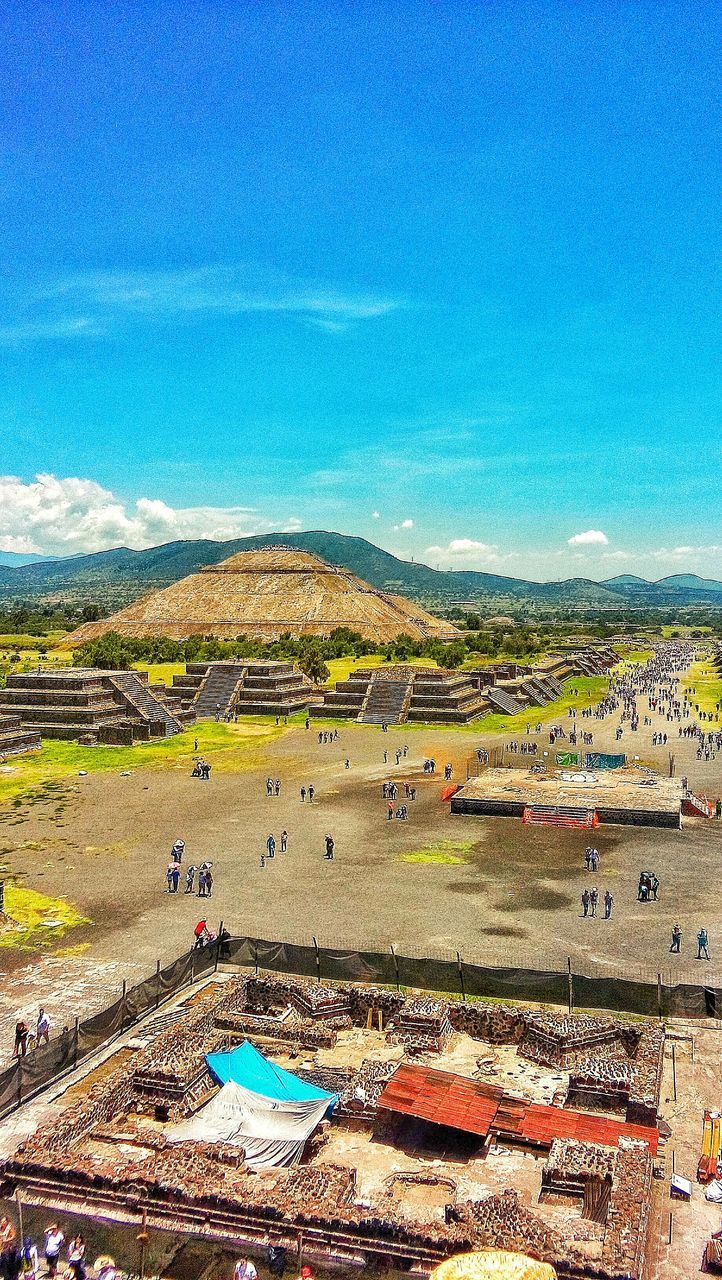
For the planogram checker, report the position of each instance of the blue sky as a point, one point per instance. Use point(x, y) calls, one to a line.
point(443, 275)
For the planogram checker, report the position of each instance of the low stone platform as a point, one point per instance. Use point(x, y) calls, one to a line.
point(626, 796)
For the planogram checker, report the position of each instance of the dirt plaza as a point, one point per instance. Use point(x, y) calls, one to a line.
point(499, 891)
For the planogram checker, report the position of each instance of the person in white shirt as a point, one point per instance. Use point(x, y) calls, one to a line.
point(54, 1240)
point(43, 1027)
point(245, 1270)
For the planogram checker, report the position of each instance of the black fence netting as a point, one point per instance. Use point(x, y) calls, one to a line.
point(48, 1061)
point(516, 984)
point(140, 998)
point(176, 975)
point(358, 966)
point(103, 1026)
point(618, 994)
point(9, 1097)
point(286, 957)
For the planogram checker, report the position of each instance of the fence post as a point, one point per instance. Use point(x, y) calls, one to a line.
point(570, 980)
point(318, 960)
point(122, 1004)
point(76, 1034)
point(20, 1080)
point(659, 995)
point(461, 975)
point(255, 955)
point(193, 967)
point(396, 969)
point(157, 984)
point(219, 944)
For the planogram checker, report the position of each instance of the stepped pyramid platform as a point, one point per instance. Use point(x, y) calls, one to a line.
point(118, 707)
point(268, 593)
point(15, 738)
point(226, 689)
point(395, 694)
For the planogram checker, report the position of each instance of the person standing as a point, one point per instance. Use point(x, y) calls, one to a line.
point(29, 1257)
point(676, 940)
point(330, 846)
point(54, 1241)
point(593, 900)
point(608, 904)
point(42, 1030)
point(244, 1270)
point(271, 846)
point(284, 841)
point(22, 1031)
point(311, 794)
point(76, 1257)
point(190, 878)
point(702, 944)
point(303, 794)
point(585, 901)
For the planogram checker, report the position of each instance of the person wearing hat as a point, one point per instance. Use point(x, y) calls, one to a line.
point(54, 1241)
point(178, 850)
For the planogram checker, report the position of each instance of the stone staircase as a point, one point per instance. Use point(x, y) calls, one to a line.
point(218, 691)
point(387, 702)
point(15, 738)
point(503, 701)
point(144, 703)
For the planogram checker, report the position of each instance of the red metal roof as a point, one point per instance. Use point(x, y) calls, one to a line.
point(443, 1098)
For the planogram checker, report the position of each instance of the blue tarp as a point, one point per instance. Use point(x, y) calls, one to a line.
point(247, 1067)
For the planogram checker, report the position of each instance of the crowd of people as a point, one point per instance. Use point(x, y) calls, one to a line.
point(204, 873)
point(21, 1257)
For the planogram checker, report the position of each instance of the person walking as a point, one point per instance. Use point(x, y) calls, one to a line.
point(330, 846)
point(585, 901)
point(593, 900)
point(676, 940)
point(302, 793)
point(284, 841)
point(190, 878)
point(271, 846)
point(608, 904)
point(311, 794)
point(702, 944)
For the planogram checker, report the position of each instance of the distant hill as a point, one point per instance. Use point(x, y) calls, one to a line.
point(118, 576)
point(15, 558)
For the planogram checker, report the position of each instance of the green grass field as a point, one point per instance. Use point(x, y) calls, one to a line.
point(591, 689)
point(707, 682)
point(231, 747)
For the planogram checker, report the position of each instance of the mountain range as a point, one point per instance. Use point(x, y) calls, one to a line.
point(120, 575)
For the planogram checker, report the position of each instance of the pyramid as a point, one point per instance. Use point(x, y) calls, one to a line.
point(264, 594)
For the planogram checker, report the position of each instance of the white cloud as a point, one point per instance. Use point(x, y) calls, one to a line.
point(592, 537)
point(469, 552)
point(95, 303)
point(405, 524)
point(63, 516)
point(376, 515)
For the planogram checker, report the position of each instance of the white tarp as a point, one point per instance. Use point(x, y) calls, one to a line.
point(272, 1131)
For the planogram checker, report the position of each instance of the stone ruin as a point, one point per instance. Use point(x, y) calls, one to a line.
point(107, 1152)
point(116, 707)
point(232, 689)
point(16, 738)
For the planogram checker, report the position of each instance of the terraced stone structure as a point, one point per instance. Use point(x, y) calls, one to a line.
point(231, 689)
point(395, 694)
point(268, 593)
point(16, 738)
point(118, 707)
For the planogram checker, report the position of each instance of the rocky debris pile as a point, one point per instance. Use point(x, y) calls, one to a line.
point(364, 1089)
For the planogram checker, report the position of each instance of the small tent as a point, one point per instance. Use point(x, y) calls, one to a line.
point(260, 1107)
